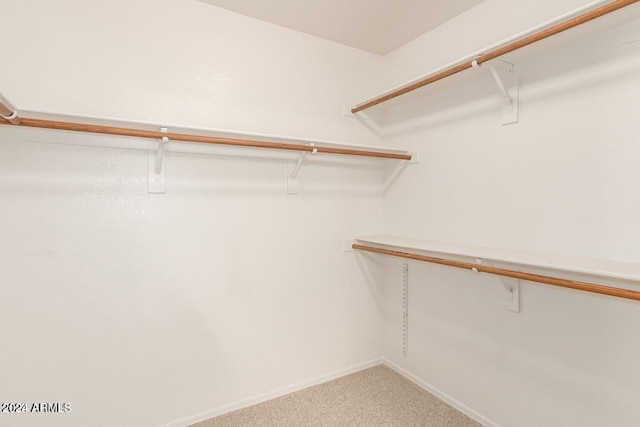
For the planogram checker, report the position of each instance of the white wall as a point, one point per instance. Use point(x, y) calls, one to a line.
point(563, 180)
point(181, 62)
point(142, 309)
point(486, 24)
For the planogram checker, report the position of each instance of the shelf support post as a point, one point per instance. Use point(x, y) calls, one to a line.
point(405, 309)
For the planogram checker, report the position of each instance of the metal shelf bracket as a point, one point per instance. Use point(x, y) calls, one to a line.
point(511, 299)
point(156, 163)
point(508, 88)
point(293, 186)
point(294, 175)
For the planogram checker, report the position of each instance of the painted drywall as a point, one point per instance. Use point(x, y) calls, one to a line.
point(562, 180)
point(489, 23)
point(181, 62)
point(143, 309)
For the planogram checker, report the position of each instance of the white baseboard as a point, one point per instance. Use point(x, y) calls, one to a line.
point(441, 395)
point(187, 421)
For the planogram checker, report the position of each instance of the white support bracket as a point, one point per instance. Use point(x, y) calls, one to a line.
point(508, 88)
point(511, 301)
point(508, 102)
point(156, 166)
point(294, 175)
point(293, 186)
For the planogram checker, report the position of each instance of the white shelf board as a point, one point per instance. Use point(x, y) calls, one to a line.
point(592, 266)
point(175, 128)
point(612, 21)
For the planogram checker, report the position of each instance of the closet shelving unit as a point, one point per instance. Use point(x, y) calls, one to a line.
point(480, 259)
point(475, 60)
point(228, 142)
point(389, 245)
point(9, 115)
point(463, 256)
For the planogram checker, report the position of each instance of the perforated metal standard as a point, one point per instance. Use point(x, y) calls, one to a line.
point(405, 308)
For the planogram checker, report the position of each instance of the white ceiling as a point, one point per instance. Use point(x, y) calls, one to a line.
point(377, 26)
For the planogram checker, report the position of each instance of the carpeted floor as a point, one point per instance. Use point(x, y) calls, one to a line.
point(374, 397)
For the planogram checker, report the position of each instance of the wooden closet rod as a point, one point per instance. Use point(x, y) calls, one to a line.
point(570, 23)
point(137, 133)
point(547, 280)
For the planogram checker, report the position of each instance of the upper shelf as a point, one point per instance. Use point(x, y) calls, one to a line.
point(538, 33)
point(213, 137)
point(591, 266)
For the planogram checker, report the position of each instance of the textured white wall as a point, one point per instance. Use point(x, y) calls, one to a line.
point(488, 23)
point(182, 62)
point(141, 309)
point(563, 180)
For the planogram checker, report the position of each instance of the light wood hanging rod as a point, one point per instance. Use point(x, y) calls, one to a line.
point(555, 29)
point(137, 133)
point(547, 280)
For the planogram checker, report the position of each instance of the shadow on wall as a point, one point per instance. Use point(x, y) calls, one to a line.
point(102, 172)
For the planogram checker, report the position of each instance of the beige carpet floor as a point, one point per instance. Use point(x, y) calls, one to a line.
point(374, 397)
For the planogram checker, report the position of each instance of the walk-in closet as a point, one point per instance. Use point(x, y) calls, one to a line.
point(220, 213)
